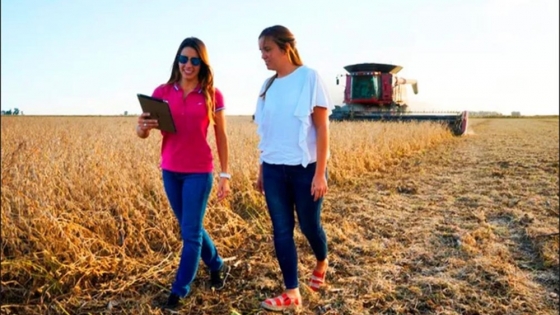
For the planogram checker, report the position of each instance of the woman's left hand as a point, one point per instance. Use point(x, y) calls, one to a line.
point(223, 189)
point(318, 187)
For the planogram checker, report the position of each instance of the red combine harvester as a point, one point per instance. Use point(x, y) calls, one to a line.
point(373, 92)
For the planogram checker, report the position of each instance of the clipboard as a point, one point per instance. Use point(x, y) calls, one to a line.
point(158, 109)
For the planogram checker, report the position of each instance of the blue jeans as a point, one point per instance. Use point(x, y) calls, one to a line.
point(286, 187)
point(188, 197)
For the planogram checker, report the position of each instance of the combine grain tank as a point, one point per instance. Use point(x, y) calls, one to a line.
point(374, 92)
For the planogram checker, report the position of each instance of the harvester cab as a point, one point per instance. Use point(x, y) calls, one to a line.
point(374, 92)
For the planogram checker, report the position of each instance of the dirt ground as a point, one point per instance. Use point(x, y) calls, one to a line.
point(468, 228)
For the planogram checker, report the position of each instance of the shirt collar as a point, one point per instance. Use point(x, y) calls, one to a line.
point(198, 88)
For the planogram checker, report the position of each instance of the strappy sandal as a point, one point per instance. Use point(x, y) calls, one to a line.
point(317, 280)
point(281, 303)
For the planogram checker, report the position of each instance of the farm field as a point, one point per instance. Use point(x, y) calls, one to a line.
point(418, 221)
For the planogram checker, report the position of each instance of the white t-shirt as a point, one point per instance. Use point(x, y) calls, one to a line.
point(285, 126)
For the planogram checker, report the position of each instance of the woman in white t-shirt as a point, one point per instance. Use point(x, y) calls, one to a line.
point(292, 117)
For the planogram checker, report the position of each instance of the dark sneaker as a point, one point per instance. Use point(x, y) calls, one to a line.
point(218, 278)
point(172, 302)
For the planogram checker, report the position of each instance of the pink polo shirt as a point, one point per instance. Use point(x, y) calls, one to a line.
point(187, 150)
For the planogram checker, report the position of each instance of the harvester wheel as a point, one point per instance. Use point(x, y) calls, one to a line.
point(460, 128)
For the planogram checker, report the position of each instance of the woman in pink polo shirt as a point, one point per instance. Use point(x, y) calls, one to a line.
point(186, 160)
point(292, 116)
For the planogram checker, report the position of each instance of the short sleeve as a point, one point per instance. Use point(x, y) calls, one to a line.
point(322, 97)
point(259, 103)
point(219, 100)
point(159, 91)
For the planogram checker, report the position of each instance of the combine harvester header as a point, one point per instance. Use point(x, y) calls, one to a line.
point(374, 92)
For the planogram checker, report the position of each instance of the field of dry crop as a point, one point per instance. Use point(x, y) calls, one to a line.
point(419, 222)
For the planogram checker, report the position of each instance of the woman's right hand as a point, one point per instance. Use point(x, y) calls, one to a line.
point(259, 182)
point(145, 123)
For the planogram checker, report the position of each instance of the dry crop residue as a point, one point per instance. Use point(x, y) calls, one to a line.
point(419, 222)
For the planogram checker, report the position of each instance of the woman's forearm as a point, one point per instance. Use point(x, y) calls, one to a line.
point(223, 150)
point(322, 149)
point(321, 122)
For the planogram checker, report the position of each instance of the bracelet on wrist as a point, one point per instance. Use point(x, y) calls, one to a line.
point(224, 175)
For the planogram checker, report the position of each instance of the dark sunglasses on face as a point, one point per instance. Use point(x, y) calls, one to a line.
point(195, 61)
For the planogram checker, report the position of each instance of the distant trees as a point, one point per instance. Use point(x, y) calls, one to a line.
point(14, 111)
point(484, 114)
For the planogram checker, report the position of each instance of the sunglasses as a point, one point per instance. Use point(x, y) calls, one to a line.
point(195, 61)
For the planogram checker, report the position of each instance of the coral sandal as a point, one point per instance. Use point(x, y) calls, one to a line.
point(317, 280)
point(281, 303)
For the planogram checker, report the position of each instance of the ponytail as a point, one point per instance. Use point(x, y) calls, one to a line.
point(268, 84)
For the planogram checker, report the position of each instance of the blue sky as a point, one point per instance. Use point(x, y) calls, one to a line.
point(92, 57)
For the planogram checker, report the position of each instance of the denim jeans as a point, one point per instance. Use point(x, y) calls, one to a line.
point(188, 197)
point(286, 187)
